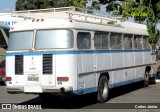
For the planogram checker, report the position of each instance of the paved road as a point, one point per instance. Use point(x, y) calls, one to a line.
point(127, 94)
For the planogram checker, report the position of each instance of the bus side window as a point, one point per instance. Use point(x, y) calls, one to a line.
point(84, 40)
point(101, 40)
point(116, 40)
point(97, 40)
point(146, 44)
point(127, 41)
point(105, 40)
point(138, 42)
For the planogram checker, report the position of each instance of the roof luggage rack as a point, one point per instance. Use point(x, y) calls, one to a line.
point(79, 14)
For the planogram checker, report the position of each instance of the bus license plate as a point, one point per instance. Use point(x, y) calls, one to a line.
point(33, 78)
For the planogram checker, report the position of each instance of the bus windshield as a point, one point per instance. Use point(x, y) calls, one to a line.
point(20, 40)
point(48, 39)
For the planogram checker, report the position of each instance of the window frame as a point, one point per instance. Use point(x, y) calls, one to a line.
point(147, 37)
point(101, 44)
point(22, 31)
point(52, 48)
point(140, 42)
point(89, 40)
point(132, 38)
point(116, 48)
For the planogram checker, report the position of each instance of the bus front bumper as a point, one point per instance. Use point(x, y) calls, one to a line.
point(38, 89)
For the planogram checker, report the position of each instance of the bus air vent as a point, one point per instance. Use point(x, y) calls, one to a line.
point(47, 63)
point(19, 65)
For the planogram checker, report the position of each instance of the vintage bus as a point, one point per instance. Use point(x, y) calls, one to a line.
point(53, 56)
point(4, 33)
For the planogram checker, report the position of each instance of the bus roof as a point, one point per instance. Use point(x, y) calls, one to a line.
point(73, 18)
point(63, 23)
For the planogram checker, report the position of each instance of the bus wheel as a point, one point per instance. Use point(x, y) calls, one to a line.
point(146, 79)
point(103, 89)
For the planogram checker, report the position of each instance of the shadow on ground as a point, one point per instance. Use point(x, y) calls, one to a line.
point(83, 101)
point(115, 92)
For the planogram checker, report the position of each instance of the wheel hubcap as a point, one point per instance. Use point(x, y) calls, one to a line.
point(104, 90)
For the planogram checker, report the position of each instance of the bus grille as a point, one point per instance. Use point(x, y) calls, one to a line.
point(47, 64)
point(19, 65)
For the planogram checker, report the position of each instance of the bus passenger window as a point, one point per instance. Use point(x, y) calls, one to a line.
point(138, 42)
point(101, 40)
point(105, 40)
point(146, 44)
point(83, 40)
point(116, 41)
point(127, 41)
point(98, 40)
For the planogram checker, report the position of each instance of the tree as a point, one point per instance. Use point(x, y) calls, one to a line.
point(42, 4)
point(146, 11)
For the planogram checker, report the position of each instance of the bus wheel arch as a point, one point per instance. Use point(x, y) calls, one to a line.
point(103, 87)
point(147, 76)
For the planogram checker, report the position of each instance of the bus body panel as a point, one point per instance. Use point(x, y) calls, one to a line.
point(65, 66)
point(117, 62)
point(86, 83)
point(88, 62)
point(128, 59)
point(130, 74)
point(103, 61)
point(118, 76)
point(147, 57)
point(138, 58)
point(86, 77)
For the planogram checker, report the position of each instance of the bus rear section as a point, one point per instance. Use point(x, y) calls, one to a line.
point(40, 71)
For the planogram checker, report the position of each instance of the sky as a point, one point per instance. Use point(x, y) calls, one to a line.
point(7, 5)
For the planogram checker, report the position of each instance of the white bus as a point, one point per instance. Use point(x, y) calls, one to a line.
point(64, 55)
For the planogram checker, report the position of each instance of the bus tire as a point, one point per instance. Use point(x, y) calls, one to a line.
point(103, 89)
point(146, 79)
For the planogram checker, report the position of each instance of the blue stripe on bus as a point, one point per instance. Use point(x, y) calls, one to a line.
point(85, 91)
point(126, 82)
point(74, 52)
point(94, 89)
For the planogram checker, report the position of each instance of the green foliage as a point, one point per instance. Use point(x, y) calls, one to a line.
point(95, 5)
point(20, 5)
point(146, 11)
point(78, 3)
point(42, 4)
point(111, 22)
point(141, 10)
